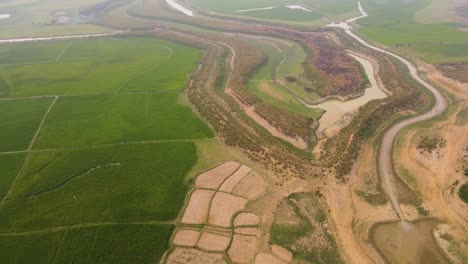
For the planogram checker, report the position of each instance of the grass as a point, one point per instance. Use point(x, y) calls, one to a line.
point(115, 244)
point(100, 244)
point(39, 249)
point(415, 34)
point(463, 192)
point(440, 53)
point(19, 121)
point(94, 66)
point(105, 119)
point(319, 8)
point(395, 23)
point(301, 238)
point(10, 165)
point(262, 82)
point(125, 183)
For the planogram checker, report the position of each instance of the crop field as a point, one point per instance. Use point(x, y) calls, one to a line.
point(280, 13)
point(40, 18)
point(105, 119)
point(117, 141)
point(19, 121)
point(396, 23)
point(10, 164)
point(100, 65)
point(282, 60)
point(120, 243)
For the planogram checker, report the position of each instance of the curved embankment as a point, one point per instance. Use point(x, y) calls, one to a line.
point(385, 158)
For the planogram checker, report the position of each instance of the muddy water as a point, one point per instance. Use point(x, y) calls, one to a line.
point(408, 243)
point(337, 111)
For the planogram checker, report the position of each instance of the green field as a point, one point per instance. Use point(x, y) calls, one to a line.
point(125, 183)
point(280, 63)
point(99, 65)
point(10, 164)
point(124, 117)
point(100, 244)
point(115, 149)
point(19, 121)
point(318, 9)
point(394, 23)
point(463, 192)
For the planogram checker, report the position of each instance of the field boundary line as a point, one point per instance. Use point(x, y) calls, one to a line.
point(28, 151)
point(83, 225)
point(89, 94)
point(124, 143)
point(38, 131)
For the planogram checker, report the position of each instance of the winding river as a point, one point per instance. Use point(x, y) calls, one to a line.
point(385, 156)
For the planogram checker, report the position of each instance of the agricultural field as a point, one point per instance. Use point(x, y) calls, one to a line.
point(10, 164)
point(125, 117)
point(20, 119)
point(114, 156)
point(120, 243)
point(303, 12)
point(416, 28)
point(44, 18)
point(89, 66)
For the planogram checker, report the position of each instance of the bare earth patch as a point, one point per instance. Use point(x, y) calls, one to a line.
point(213, 242)
point(186, 237)
point(234, 179)
point(251, 187)
point(194, 256)
point(212, 179)
point(246, 219)
point(223, 208)
point(243, 249)
point(264, 258)
point(198, 207)
point(281, 253)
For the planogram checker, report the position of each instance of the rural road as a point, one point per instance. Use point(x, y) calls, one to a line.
point(385, 155)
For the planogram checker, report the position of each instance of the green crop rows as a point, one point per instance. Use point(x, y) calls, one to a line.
point(104, 179)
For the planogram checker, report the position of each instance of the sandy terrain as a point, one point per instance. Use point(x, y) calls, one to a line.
point(243, 249)
point(197, 209)
point(264, 258)
point(213, 242)
point(246, 219)
point(251, 187)
point(186, 237)
point(213, 179)
point(223, 208)
point(281, 253)
point(235, 178)
point(194, 256)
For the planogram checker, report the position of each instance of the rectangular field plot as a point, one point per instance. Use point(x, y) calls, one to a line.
point(125, 183)
point(19, 120)
point(101, 65)
point(99, 244)
point(103, 119)
point(10, 165)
